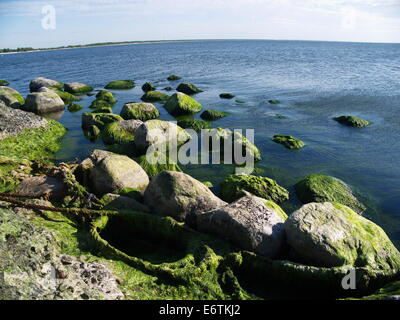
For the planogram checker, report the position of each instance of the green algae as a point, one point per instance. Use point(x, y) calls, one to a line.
point(139, 111)
point(181, 104)
point(100, 120)
point(107, 96)
point(74, 107)
point(99, 104)
point(174, 77)
point(194, 124)
point(289, 142)
point(120, 85)
point(155, 96)
point(159, 162)
point(113, 133)
point(188, 88)
point(274, 102)
point(4, 83)
point(352, 121)
point(213, 115)
point(148, 86)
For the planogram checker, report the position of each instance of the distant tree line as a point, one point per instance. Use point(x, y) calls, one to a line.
point(16, 50)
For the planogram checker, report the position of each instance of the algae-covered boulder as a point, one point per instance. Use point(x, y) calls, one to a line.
point(154, 132)
point(99, 120)
point(118, 202)
point(41, 82)
point(4, 83)
point(233, 185)
point(106, 172)
point(180, 196)
point(155, 96)
point(77, 88)
point(352, 121)
point(148, 86)
point(251, 223)
point(173, 77)
point(181, 104)
point(330, 235)
point(140, 111)
point(120, 84)
point(11, 97)
point(100, 104)
point(68, 98)
point(321, 188)
point(155, 162)
point(226, 96)
point(188, 88)
point(107, 96)
point(212, 115)
point(288, 141)
point(43, 102)
point(74, 107)
point(194, 124)
point(120, 131)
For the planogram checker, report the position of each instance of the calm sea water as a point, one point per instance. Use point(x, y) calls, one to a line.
point(314, 80)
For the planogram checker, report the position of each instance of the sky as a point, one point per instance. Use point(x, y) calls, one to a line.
point(42, 24)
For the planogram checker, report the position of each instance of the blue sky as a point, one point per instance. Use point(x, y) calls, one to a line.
point(89, 21)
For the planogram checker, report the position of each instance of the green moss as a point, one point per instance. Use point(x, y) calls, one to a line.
point(389, 292)
point(107, 96)
point(130, 193)
point(274, 101)
point(78, 90)
point(155, 96)
point(103, 110)
point(208, 184)
point(120, 84)
point(194, 124)
point(74, 107)
point(212, 115)
point(114, 133)
point(188, 88)
point(259, 186)
point(174, 77)
point(67, 97)
point(289, 142)
point(226, 96)
point(139, 111)
point(148, 86)
point(159, 162)
point(181, 104)
point(272, 205)
point(321, 188)
point(99, 119)
point(99, 104)
point(11, 97)
point(4, 83)
point(353, 121)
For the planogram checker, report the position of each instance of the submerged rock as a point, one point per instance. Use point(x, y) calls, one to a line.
point(11, 97)
point(194, 124)
point(100, 104)
point(289, 142)
point(41, 82)
point(188, 88)
point(226, 96)
point(77, 88)
point(251, 223)
point(212, 115)
point(74, 107)
point(233, 185)
point(181, 104)
point(43, 102)
point(120, 131)
point(156, 162)
point(140, 111)
point(352, 121)
point(42, 186)
point(106, 172)
point(180, 196)
point(321, 188)
point(174, 77)
point(106, 96)
point(4, 83)
point(120, 84)
point(331, 235)
point(148, 86)
point(274, 102)
point(155, 96)
point(99, 120)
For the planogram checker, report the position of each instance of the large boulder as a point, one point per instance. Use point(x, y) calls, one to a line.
point(180, 196)
point(233, 185)
point(11, 97)
point(188, 88)
point(252, 223)
point(43, 102)
point(106, 172)
point(139, 111)
point(120, 131)
point(154, 132)
point(321, 188)
point(331, 235)
point(77, 88)
point(41, 82)
point(106, 96)
point(156, 162)
point(181, 104)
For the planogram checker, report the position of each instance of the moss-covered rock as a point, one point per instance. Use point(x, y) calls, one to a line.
point(4, 83)
point(120, 132)
point(213, 115)
point(288, 141)
point(352, 121)
point(77, 88)
point(74, 107)
point(98, 104)
point(226, 96)
point(155, 96)
point(181, 104)
point(188, 88)
point(107, 96)
point(389, 292)
point(233, 185)
point(120, 85)
point(194, 124)
point(274, 102)
point(139, 111)
point(68, 98)
point(103, 110)
point(156, 162)
point(98, 119)
point(174, 77)
point(41, 82)
point(148, 86)
point(331, 235)
point(11, 97)
point(321, 188)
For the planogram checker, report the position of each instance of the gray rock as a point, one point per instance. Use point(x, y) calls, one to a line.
point(43, 102)
point(252, 223)
point(115, 201)
point(42, 186)
point(41, 82)
point(180, 196)
point(11, 97)
point(77, 88)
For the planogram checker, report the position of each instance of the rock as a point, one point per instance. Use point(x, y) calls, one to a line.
point(92, 133)
point(188, 88)
point(390, 292)
point(98, 119)
point(105, 172)
point(120, 84)
point(174, 77)
point(155, 132)
point(168, 88)
point(74, 107)
point(77, 88)
point(11, 97)
point(181, 104)
point(233, 185)
point(140, 111)
point(120, 131)
point(41, 82)
point(289, 142)
point(148, 86)
point(274, 102)
point(354, 122)
point(212, 115)
point(194, 124)
point(331, 235)
point(251, 223)
point(42, 186)
point(321, 188)
point(226, 96)
point(4, 83)
point(43, 102)
point(180, 196)
point(103, 110)
point(68, 98)
point(117, 202)
point(155, 96)
point(156, 162)
point(106, 96)
point(100, 104)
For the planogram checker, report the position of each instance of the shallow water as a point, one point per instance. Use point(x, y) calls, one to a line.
point(315, 81)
